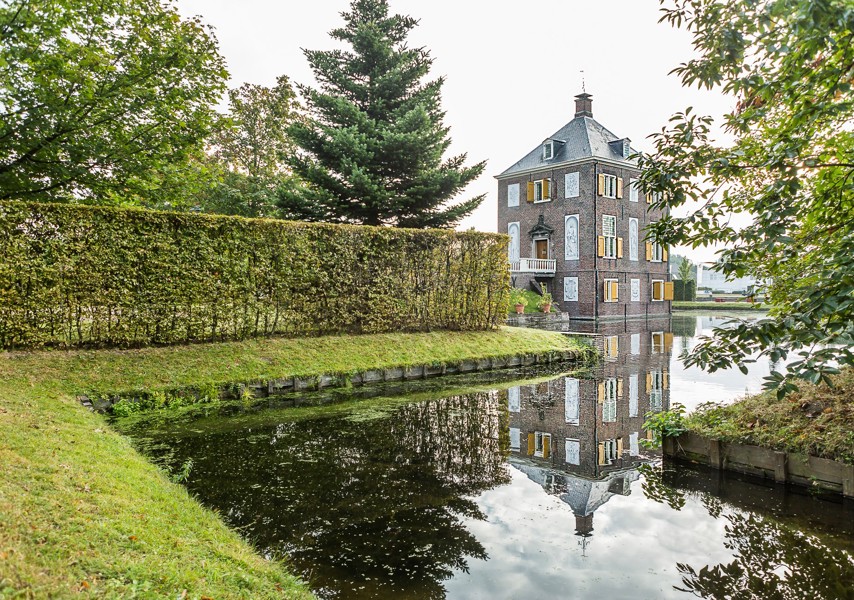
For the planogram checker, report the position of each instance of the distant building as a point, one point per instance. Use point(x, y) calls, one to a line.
point(718, 282)
point(577, 223)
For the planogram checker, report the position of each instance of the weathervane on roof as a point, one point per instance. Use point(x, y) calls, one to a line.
point(583, 85)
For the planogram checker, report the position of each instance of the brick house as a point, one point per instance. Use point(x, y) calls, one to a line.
point(577, 224)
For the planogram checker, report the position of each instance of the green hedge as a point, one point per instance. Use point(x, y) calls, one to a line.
point(684, 292)
point(79, 275)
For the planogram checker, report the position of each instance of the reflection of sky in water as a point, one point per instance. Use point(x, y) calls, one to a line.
point(534, 552)
point(693, 386)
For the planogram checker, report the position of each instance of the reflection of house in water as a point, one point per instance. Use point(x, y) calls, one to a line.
point(579, 437)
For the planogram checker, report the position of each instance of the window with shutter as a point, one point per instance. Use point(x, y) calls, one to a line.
point(609, 232)
point(609, 186)
point(611, 290)
point(657, 290)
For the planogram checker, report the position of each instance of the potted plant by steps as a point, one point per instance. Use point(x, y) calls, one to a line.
point(518, 300)
point(546, 303)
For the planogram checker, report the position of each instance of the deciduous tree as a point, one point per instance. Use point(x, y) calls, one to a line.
point(372, 150)
point(101, 100)
point(789, 65)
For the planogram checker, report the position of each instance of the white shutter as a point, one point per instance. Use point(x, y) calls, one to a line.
point(573, 452)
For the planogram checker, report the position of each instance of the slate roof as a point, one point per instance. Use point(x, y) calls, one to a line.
point(583, 137)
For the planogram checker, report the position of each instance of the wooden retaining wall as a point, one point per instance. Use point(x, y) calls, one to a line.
point(782, 467)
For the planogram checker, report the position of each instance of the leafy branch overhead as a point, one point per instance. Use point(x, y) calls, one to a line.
point(789, 65)
point(372, 148)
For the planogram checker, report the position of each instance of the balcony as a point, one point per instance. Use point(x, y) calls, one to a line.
point(539, 266)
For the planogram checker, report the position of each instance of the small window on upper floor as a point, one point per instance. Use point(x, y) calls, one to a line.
point(548, 150)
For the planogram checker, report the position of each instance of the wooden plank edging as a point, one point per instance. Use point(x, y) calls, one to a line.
point(782, 467)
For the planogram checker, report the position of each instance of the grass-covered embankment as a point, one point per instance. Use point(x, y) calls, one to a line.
point(723, 306)
point(82, 512)
point(817, 420)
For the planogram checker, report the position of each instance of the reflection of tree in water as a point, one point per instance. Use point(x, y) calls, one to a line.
point(684, 325)
point(771, 561)
point(367, 506)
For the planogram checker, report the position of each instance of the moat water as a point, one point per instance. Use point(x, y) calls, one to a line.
point(525, 484)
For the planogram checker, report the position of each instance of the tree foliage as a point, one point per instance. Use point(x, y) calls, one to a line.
point(790, 169)
point(103, 99)
point(373, 147)
point(685, 271)
point(250, 148)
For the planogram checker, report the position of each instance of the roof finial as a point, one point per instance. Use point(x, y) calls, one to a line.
point(583, 85)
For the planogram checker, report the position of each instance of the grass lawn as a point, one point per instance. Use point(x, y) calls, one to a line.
point(681, 305)
point(817, 420)
point(83, 514)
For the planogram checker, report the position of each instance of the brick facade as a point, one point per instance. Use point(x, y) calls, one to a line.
point(590, 206)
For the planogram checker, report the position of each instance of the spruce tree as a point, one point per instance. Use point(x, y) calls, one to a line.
point(371, 148)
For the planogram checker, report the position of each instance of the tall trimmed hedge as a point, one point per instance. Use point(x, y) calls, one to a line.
point(684, 291)
point(79, 275)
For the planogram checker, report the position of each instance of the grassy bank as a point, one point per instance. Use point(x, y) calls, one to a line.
point(704, 306)
point(81, 512)
point(817, 420)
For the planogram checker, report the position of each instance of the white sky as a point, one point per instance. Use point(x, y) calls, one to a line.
point(511, 68)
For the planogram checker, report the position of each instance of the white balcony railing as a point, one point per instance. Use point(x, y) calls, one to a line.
point(533, 265)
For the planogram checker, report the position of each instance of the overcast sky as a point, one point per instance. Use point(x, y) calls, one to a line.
point(511, 68)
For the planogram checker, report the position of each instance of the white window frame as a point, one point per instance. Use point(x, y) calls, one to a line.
point(538, 191)
point(515, 241)
point(610, 235)
point(572, 401)
point(572, 442)
point(652, 292)
point(607, 295)
point(634, 240)
point(610, 454)
point(513, 194)
point(567, 297)
point(539, 444)
point(657, 342)
point(634, 286)
point(634, 192)
point(656, 392)
point(572, 252)
point(609, 406)
point(548, 150)
point(657, 252)
point(571, 185)
point(610, 189)
point(611, 347)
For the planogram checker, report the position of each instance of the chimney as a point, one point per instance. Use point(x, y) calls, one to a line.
point(584, 105)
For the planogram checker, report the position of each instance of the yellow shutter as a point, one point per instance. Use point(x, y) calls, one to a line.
point(546, 188)
point(648, 382)
point(657, 291)
point(619, 387)
point(530, 197)
point(600, 250)
point(648, 251)
point(620, 447)
point(615, 291)
point(649, 434)
point(615, 347)
point(619, 187)
point(664, 380)
point(601, 452)
point(530, 444)
point(668, 342)
point(547, 446)
point(601, 395)
point(664, 254)
point(668, 290)
point(619, 247)
point(649, 198)
point(601, 184)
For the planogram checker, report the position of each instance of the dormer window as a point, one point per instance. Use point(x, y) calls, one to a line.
point(548, 150)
